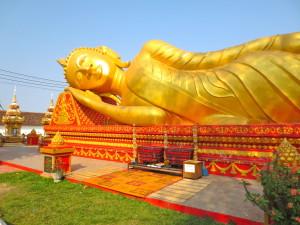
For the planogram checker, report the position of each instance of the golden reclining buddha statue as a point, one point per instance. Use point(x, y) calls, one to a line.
point(255, 82)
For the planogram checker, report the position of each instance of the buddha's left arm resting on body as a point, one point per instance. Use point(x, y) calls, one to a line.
point(139, 115)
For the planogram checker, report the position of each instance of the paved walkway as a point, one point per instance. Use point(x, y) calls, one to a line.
point(222, 195)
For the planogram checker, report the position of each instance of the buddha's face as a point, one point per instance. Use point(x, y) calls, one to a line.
point(88, 70)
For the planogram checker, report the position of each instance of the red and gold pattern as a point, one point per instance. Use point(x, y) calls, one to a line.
point(239, 150)
point(134, 182)
point(233, 169)
point(104, 153)
point(69, 112)
point(64, 112)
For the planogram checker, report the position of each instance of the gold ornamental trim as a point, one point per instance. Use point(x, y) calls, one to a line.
point(233, 167)
point(54, 151)
point(236, 152)
point(106, 155)
point(226, 130)
point(99, 143)
point(246, 142)
point(80, 134)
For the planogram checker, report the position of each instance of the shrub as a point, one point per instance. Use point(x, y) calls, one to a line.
point(280, 199)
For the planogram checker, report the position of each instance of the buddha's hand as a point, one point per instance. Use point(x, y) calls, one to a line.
point(84, 97)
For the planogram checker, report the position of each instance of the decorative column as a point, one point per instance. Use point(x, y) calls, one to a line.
point(13, 122)
point(167, 162)
point(195, 141)
point(56, 152)
point(165, 137)
point(134, 144)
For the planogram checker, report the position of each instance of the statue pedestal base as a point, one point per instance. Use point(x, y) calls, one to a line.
point(229, 150)
point(13, 139)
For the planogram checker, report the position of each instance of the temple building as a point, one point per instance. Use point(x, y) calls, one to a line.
point(32, 120)
point(14, 126)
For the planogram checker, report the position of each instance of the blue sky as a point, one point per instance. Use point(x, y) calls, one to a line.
point(35, 33)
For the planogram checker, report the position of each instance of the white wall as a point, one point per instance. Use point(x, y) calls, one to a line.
point(27, 129)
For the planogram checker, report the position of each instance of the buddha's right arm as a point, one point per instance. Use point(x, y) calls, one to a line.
point(183, 60)
point(138, 115)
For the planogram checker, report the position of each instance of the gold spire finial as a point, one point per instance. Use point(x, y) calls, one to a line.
point(57, 139)
point(33, 131)
point(51, 101)
point(15, 95)
point(47, 119)
point(288, 154)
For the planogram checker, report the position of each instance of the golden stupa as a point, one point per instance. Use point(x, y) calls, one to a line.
point(288, 154)
point(13, 122)
point(57, 140)
point(47, 119)
point(33, 131)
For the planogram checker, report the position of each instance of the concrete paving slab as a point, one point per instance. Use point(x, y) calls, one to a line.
point(227, 196)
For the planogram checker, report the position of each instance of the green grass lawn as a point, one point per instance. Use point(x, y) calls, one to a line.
point(27, 198)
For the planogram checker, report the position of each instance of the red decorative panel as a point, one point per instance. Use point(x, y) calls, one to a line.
point(69, 112)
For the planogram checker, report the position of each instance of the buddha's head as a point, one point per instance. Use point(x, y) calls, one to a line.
point(92, 68)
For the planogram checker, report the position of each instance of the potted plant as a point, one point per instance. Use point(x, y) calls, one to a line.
point(280, 199)
point(167, 163)
point(58, 170)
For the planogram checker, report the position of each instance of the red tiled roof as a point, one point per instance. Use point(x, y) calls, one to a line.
point(31, 118)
